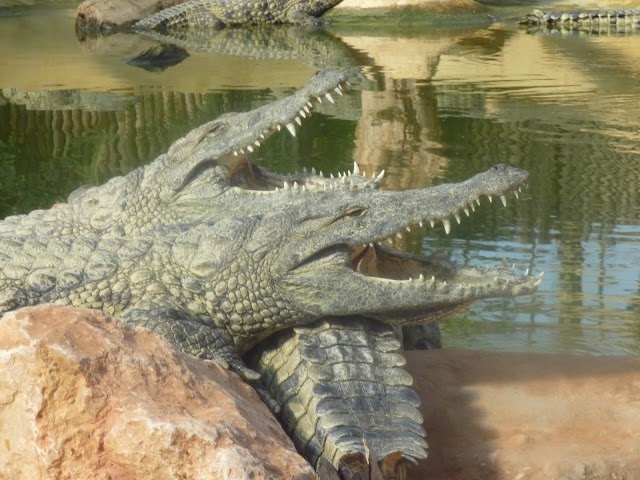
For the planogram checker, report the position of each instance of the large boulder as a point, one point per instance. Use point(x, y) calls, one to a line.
point(81, 396)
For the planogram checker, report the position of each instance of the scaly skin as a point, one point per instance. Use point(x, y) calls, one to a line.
point(344, 395)
point(209, 14)
point(217, 254)
point(580, 19)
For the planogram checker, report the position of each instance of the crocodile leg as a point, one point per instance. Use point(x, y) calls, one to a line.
point(345, 398)
point(188, 334)
point(300, 17)
point(192, 13)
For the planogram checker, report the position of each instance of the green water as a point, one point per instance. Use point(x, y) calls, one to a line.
point(429, 105)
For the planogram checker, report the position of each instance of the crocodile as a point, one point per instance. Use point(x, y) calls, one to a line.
point(218, 255)
point(208, 14)
point(581, 19)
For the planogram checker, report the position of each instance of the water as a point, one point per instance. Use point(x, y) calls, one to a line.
point(430, 105)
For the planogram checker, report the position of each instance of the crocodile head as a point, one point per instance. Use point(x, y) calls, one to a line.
point(314, 249)
point(327, 256)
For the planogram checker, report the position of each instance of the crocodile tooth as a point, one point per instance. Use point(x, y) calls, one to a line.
point(313, 171)
point(447, 225)
point(490, 198)
point(279, 127)
point(421, 278)
point(504, 200)
point(433, 279)
point(478, 200)
point(298, 121)
point(520, 189)
point(292, 129)
point(421, 224)
point(432, 223)
point(304, 169)
point(286, 186)
point(466, 211)
point(338, 90)
point(348, 173)
point(515, 192)
point(262, 136)
point(235, 152)
point(250, 148)
point(310, 105)
point(356, 169)
point(331, 175)
point(380, 175)
point(526, 272)
point(457, 218)
point(295, 185)
point(411, 279)
point(399, 235)
point(304, 187)
point(306, 109)
point(242, 151)
point(408, 229)
point(473, 206)
point(319, 99)
point(256, 143)
point(329, 97)
point(321, 174)
point(302, 114)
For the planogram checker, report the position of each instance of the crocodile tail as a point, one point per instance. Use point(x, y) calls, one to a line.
point(344, 398)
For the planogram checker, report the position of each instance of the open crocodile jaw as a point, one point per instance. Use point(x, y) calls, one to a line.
point(348, 271)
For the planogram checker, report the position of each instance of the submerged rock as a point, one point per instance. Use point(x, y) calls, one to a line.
point(83, 396)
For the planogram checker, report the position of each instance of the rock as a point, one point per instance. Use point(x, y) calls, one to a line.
point(107, 14)
point(528, 416)
point(81, 393)
point(82, 396)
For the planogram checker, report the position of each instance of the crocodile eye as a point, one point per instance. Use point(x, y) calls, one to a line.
point(355, 212)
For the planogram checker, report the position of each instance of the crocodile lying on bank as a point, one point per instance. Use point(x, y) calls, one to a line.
point(220, 13)
point(218, 254)
point(582, 18)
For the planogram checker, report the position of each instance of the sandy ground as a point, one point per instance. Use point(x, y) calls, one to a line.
point(528, 416)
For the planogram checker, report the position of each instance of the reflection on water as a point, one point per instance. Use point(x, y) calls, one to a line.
point(429, 107)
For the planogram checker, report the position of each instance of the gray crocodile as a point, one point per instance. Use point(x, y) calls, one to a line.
point(209, 14)
point(218, 255)
point(582, 18)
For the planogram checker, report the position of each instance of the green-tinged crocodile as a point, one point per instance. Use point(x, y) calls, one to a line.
point(583, 19)
point(220, 13)
point(218, 254)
